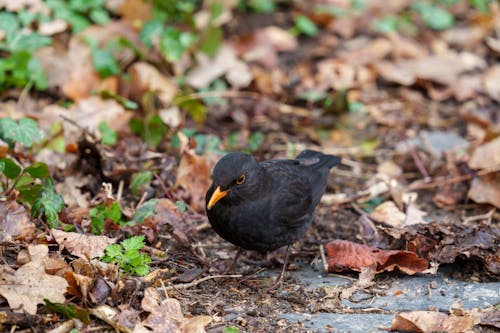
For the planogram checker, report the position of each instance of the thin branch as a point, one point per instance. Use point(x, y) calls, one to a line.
point(197, 282)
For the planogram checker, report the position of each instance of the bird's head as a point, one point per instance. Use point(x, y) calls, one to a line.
point(235, 176)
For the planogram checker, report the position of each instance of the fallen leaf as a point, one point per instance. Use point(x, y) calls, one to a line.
point(194, 177)
point(166, 213)
point(27, 287)
point(486, 155)
point(432, 321)
point(166, 315)
point(146, 78)
point(83, 246)
point(346, 255)
point(15, 222)
point(388, 213)
point(491, 80)
point(52, 27)
point(210, 69)
point(486, 189)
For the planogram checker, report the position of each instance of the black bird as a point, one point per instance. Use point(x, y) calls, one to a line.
point(265, 205)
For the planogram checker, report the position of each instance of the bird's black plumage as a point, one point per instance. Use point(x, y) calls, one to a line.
point(264, 206)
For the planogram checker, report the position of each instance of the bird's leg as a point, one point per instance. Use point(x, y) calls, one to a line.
point(280, 277)
point(232, 266)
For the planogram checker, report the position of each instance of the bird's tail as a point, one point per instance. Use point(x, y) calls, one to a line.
point(317, 159)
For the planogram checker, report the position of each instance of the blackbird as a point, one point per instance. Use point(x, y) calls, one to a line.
point(265, 205)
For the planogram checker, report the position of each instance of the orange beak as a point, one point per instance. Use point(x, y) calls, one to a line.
point(216, 196)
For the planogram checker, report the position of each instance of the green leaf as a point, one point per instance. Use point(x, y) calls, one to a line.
point(36, 74)
point(113, 251)
point(231, 329)
point(38, 170)
point(387, 25)
point(433, 16)
point(9, 24)
point(29, 193)
point(10, 168)
point(99, 214)
point(146, 210)
point(171, 45)
point(151, 30)
point(304, 25)
point(212, 41)
point(104, 63)
point(49, 203)
point(133, 243)
point(481, 5)
point(99, 16)
point(155, 131)
point(262, 6)
point(140, 181)
point(26, 131)
point(69, 311)
point(108, 135)
point(181, 206)
point(255, 140)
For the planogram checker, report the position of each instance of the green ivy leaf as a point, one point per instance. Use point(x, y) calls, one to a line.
point(26, 131)
point(108, 135)
point(146, 210)
point(304, 25)
point(434, 17)
point(150, 30)
point(49, 204)
point(9, 168)
point(38, 170)
point(140, 181)
point(262, 6)
point(104, 63)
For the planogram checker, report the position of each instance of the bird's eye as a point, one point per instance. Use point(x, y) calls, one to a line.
point(241, 180)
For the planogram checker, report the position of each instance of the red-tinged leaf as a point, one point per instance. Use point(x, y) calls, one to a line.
point(345, 255)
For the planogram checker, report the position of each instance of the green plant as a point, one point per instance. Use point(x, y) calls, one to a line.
point(304, 25)
point(108, 135)
point(127, 254)
point(33, 182)
point(140, 181)
point(152, 129)
point(103, 212)
point(79, 14)
point(173, 26)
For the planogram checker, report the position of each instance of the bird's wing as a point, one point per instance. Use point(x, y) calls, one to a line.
point(292, 199)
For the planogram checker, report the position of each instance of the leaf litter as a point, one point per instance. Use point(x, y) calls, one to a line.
point(413, 116)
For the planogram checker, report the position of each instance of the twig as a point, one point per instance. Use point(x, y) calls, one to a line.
point(445, 181)
point(486, 216)
point(323, 258)
point(418, 163)
point(214, 94)
point(197, 282)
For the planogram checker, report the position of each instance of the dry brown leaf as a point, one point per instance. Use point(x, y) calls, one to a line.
point(27, 287)
point(372, 51)
point(166, 315)
point(83, 246)
point(345, 255)
point(89, 112)
point(15, 221)
point(432, 321)
point(442, 69)
point(167, 213)
point(145, 78)
point(486, 155)
point(210, 69)
point(486, 189)
point(194, 177)
point(491, 81)
point(388, 213)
